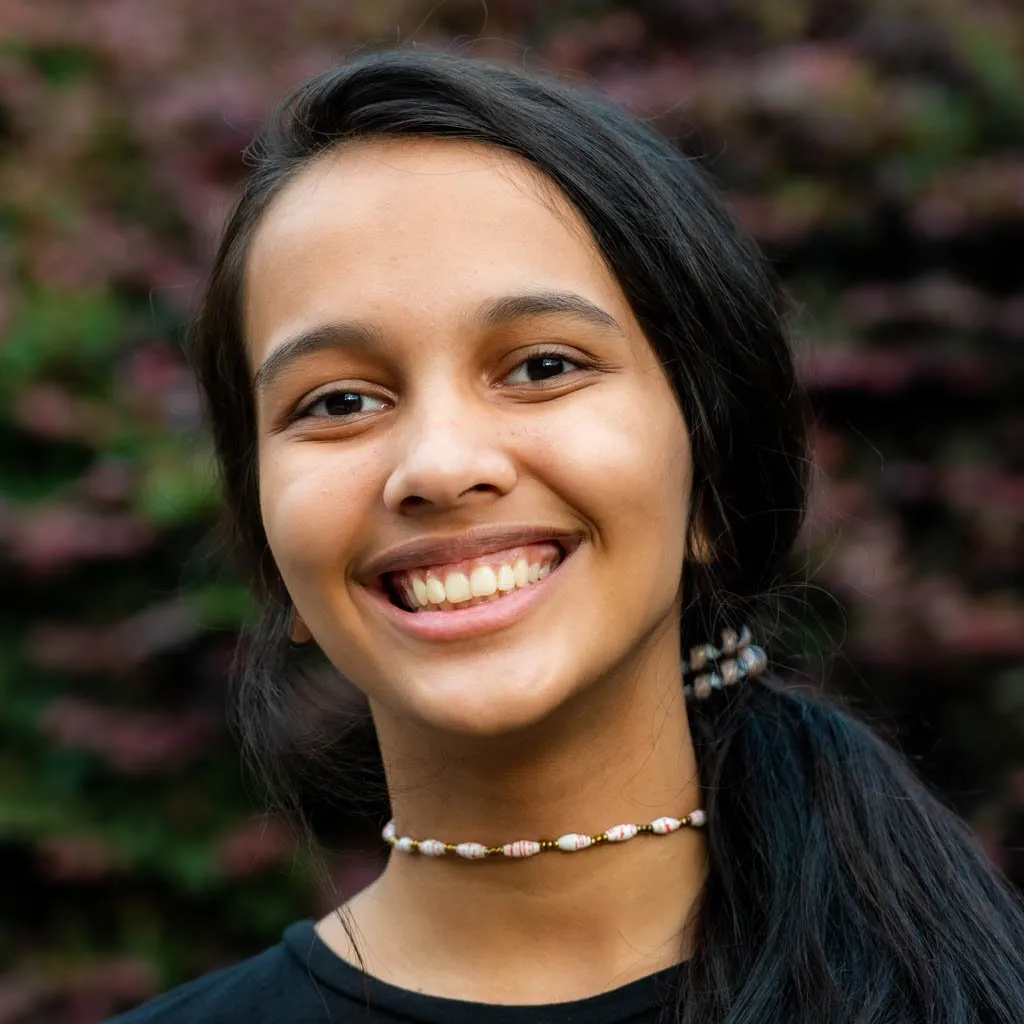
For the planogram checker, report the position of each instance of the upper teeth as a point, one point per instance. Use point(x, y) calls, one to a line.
point(424, 587)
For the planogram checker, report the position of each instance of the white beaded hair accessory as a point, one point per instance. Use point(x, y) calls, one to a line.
point(571, 842)
point(711, 668)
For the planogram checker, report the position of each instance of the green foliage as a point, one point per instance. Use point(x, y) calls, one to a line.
point(873, 148)
point(60, 334)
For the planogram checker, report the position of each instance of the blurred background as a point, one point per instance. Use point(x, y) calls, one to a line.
point(874, 147)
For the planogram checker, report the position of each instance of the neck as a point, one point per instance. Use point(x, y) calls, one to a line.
point(594, 919)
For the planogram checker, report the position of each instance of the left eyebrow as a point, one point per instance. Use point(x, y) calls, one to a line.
point(503, 310)
point(492, 313)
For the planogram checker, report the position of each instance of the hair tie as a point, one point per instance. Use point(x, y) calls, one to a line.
point(711, 668)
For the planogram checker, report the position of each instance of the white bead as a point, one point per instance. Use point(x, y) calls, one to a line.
point(702, 686)
point(753, 660)
point(404, 844)
point(662, 826)
point(573, 841)
point(620, 833)
point(521, 848)
point(432, 847)
point(389, 832)
point(471, 851)
point(698, 818)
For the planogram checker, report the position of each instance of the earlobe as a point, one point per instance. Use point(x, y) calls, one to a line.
point(298, 631)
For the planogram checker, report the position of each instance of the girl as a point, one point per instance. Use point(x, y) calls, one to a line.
point(509, 431)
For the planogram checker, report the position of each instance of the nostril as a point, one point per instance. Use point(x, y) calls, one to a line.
point(413, 503)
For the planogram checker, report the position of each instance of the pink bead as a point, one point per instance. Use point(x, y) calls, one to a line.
point(573, 841)
point(389, 832)
point(521, 848)
point(698, 818)
point(662, 826)
point(620, 833)
point(471, 851)
point(432, 847)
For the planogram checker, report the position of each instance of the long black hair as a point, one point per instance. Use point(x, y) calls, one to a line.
point(839, 888)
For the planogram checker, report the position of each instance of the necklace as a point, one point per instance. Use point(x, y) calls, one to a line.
point(569, 843)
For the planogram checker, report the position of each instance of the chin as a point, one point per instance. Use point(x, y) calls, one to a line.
point(510, 703)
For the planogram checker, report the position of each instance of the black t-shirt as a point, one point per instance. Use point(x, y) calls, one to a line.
point(301, 981)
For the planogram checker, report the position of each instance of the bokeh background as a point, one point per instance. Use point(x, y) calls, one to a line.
point(874, 147)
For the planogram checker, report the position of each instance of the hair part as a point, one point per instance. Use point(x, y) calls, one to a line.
point(839, 889)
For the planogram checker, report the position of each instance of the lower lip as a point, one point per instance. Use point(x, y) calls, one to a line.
point(479, 620)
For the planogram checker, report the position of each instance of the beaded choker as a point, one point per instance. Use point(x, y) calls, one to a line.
point(569, 843)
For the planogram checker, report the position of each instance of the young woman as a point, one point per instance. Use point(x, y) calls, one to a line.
point(510, 433)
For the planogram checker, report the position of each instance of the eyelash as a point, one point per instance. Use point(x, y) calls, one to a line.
point(304, 411)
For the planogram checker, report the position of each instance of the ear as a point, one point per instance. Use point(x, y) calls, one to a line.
point(298, 631)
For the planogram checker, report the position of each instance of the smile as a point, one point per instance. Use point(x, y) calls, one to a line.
point(465, 584)
point(472, 597)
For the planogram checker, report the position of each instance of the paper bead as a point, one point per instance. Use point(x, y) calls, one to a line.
point(521, 848)
point(573, 841)
point(620, 833)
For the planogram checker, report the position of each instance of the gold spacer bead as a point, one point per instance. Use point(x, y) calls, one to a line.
point(450, 847)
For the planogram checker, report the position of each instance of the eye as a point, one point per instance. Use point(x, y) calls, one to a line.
point(341, 404)
point(541, 367)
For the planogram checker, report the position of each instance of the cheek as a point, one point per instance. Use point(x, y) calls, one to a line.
point(312, 502)
point(624, 464)
point(623, 458)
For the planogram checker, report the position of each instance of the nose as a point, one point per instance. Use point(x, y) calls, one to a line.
point(449, 456)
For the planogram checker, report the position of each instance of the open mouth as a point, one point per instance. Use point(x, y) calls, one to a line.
point(483, 580)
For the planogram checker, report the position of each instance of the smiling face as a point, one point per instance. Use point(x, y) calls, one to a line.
point(443, 360)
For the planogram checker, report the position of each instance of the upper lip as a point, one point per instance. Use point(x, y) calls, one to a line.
point(481, 540)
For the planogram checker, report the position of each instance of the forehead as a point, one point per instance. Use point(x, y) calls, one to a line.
point(418, 229)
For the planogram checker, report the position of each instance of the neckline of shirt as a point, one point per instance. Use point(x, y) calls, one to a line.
point(616, 1006)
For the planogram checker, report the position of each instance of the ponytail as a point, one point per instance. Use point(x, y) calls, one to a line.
point(839, 888)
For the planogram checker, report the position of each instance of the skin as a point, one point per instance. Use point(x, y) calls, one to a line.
point(570, 719)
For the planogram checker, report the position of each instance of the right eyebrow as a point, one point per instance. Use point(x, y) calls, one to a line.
point(339, 334)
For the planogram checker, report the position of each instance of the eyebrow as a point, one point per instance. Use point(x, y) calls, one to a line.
point(493, 313)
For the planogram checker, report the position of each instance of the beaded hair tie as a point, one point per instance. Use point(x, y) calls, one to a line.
point(711, 668)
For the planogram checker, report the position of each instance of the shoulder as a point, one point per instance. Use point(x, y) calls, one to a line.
point(270, 987)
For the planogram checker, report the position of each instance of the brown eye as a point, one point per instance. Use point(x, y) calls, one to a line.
point(541, 367)
point(340, 404)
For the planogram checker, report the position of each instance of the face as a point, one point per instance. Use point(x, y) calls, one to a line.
point(457, 409)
